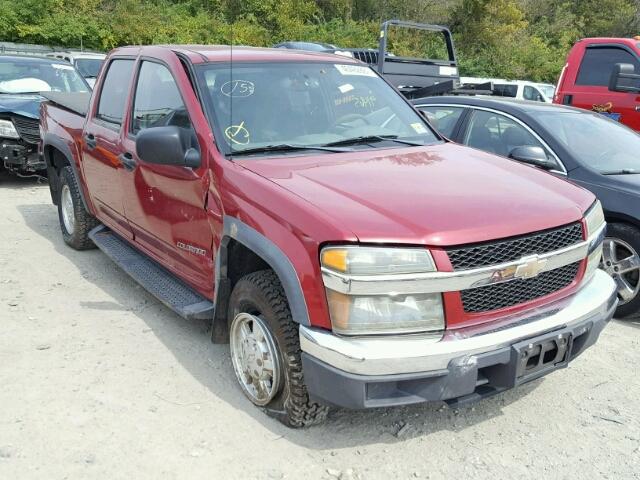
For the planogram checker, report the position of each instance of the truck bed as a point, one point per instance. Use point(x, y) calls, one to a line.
point(77, 102)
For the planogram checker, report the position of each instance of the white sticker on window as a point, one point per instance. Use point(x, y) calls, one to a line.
point(347, 87)
point(355, 70)
point(418, 127)
point(61, 66)
point(448, 71)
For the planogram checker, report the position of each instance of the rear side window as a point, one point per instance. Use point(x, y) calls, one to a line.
point(503, 90)
point(157, 102)
point(444, 119)
point(598, 63)
point(115, 89)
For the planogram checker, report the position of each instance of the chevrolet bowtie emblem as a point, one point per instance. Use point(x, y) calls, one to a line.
point(530, 267)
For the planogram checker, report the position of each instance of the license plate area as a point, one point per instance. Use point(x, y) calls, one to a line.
point(538, 356)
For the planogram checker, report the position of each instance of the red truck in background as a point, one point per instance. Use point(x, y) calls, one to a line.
point(349, 254)
point(603, 75)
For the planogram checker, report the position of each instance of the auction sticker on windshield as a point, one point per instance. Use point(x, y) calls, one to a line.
point(355, 70)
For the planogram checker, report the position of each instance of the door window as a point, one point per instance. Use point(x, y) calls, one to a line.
point(532, 94)
point(497, 134)
point(504, 90)
point(115, 89)
point(444, 119)
point(598, 63)
point(157, 100)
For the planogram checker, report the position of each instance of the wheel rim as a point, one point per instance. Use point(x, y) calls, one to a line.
point(66, 204)
point(255, 358)
point(622, 262)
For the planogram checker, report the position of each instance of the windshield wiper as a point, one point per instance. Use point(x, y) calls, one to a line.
point(287, 147)
point(372, 138)
point(623, 171)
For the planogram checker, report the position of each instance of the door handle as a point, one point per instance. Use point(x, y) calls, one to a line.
point(90, 140)
point(128, 161)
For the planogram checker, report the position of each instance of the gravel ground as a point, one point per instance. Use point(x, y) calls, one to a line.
point(98, 380)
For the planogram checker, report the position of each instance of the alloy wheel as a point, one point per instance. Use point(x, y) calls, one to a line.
point(622, 262)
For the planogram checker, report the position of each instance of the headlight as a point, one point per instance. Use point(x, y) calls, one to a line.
point(7, 130)
point(392, 313)
point(377, 260)
point(594, 220)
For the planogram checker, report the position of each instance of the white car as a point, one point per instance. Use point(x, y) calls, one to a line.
point(519, 89)
point(87, 63)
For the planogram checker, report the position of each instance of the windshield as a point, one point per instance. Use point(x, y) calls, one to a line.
point(599, 142)
point(89, 67)
point(29, 76)
point(307, 104)
point(547, 90)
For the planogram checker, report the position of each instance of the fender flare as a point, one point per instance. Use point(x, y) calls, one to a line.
point(263, 247)
point(60, 144)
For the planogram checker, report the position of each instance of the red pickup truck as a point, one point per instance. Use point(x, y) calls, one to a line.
point(603, 75)
point(349, 254)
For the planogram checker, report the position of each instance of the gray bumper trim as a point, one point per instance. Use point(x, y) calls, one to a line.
point(466, 378)
point(392, 355)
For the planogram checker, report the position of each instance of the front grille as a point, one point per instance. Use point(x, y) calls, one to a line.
point(483, 255)
point(507, 294)
point(28, 129)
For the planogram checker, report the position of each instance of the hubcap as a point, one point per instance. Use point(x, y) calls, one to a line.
point(255, 358)
point(622, 262)
point(66, 204)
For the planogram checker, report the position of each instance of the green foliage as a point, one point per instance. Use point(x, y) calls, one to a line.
point(494, 38)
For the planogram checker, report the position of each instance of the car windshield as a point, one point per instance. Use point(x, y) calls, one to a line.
point(307, 104)
point(89, 67)
point(601, 143)
point(30, 76)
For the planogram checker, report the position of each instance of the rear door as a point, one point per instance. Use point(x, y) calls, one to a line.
point(589, 86)
point(101, 145)
point(165, 204)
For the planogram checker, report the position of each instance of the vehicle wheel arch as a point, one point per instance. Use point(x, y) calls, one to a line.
point(244, 250)
point(57, 155)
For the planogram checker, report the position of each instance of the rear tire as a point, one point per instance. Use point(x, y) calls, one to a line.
point(621, 260)
point(75, 221)
point(258, 306)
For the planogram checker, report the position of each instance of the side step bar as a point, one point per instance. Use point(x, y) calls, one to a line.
point(162, 284)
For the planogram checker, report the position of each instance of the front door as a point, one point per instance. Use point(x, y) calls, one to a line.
point(591, 89)
point(101, 146)
point(165, 204)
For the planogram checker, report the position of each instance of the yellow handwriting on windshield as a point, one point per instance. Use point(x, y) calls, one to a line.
point(237, 134)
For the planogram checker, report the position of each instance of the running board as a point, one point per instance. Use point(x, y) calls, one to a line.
point(162, 284)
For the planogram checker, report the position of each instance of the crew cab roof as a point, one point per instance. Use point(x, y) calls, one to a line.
point(222, 53)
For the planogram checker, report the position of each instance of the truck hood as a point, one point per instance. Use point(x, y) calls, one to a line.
point(438, 195)
point(27, 105)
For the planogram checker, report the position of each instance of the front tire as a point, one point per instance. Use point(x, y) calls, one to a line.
point(265, 351)
point(75, 221)
point(621, 260)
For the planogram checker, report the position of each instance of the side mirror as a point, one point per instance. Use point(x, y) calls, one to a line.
point(535, 156)
point(167, 146)
point(624, 79)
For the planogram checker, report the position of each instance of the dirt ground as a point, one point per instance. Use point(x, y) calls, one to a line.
point(98, 380)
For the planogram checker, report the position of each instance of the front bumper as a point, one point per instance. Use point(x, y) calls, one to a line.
point(459, 365)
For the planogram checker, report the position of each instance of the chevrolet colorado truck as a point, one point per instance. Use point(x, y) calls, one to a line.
point(349, 254)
